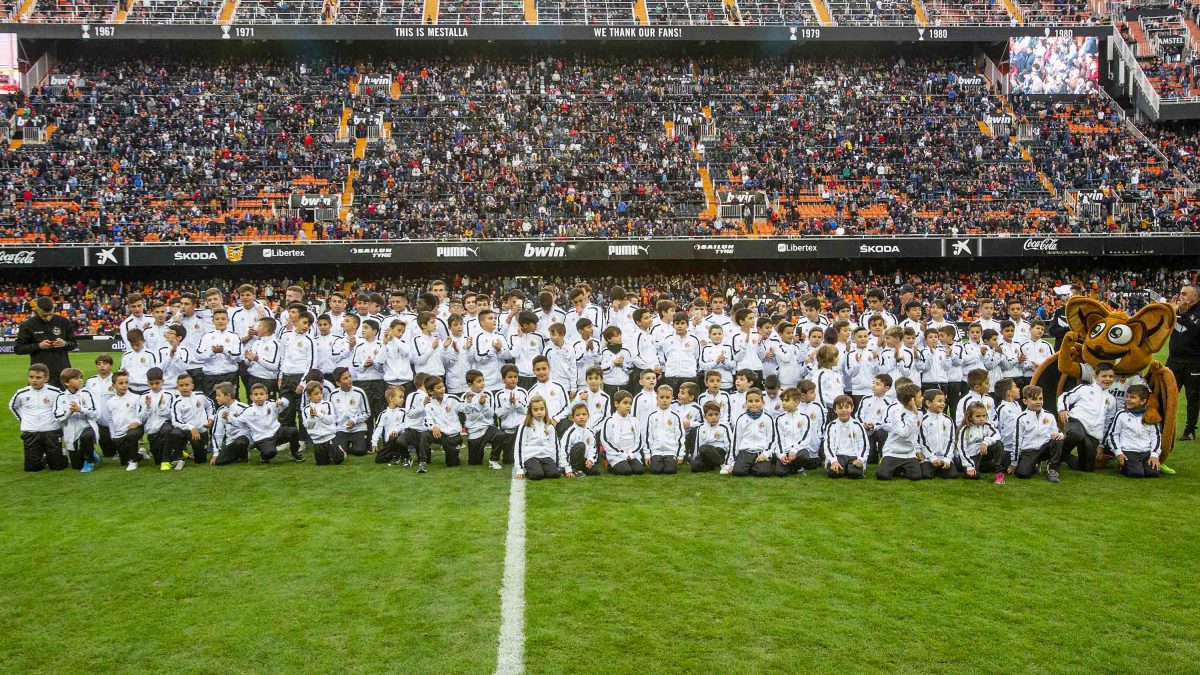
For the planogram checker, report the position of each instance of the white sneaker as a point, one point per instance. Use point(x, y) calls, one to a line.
point(726, 470)
point(177, 465)
point(494, 465)
point(143, 453)
point(132, 466)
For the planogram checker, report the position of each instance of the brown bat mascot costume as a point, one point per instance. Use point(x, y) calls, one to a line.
point(1100, 334)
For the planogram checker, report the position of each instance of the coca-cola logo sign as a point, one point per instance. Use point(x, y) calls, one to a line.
point(18, 257)
point(1047, 245)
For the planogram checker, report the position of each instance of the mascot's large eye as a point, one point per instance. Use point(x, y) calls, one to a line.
point(1120, 335)
point(1098, 329)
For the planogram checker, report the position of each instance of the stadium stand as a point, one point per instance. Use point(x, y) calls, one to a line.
point(572, 12)
point(281, 11)
point(1166, 53)
point(172, 11)
point(441, 146)
point(872, 12)
point(589, 12)
point(688, 12)
point(775, 12)
point(97, 307)
point(143, 166)
point(72, 11)
point(403, 12)
point(976, 13)
point(1041, 12)
point(471, 12)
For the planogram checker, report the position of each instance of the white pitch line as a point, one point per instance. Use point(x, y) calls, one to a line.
point(510, 655)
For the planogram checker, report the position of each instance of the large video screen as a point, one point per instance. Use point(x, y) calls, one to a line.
point(1053, 65)
point(10, 76)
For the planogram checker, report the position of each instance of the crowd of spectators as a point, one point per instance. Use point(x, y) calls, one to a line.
point(72, 11)
point(1164, 52)
point(588, 12)
point(894, 146)
point(209, 147)
point(872, 12)
point(163, 148)
point(174, 11)
point(96, 304)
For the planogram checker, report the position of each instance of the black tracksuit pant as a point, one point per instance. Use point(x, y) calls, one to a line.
point(628, 467)
point(848, 470)
point(707, 458)
point(540, 468)
point(928, 471)
point(746, 463)
point(42, 449)
point(1028, 460)
point(1187, 377)
point(1137, 465)
point(179, 440)
point(268, 447)
point(898, 467)
point(475, 446)
point(127, 445)
point(328, 452)
point(237, 450)
point(1076, 438)
point(577, 455)
point(393, 449)
point(452, 445)
point(83, 450)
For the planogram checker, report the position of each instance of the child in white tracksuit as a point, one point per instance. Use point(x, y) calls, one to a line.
point(663, 431)
point(755, 445)
point(901, 452)
point(537, 452)
point(846, 446)
point(1036, 438)
point(980, 447)
point(622, 439)
point(1137, 445)
point(937, 438)
point(318, 419)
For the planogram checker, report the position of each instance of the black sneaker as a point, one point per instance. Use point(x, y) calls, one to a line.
point(421, 467)
point(297, 457)
point(1188, 436)
point(406, 462)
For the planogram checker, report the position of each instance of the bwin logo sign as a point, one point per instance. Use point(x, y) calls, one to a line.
point(628, 250)
point(546, 251)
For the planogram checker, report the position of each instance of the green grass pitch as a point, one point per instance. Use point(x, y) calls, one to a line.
point(365, 568)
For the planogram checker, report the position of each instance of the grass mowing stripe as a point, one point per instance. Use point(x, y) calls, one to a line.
point(510, 654)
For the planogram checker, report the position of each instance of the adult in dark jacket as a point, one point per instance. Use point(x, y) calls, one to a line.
point(1057, 325)
point(47, 338)
point(1184, 356)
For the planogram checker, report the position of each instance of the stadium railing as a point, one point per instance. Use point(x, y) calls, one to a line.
point(985, 13)
point(872, 12)
point(475, 12)
point(172, 11)
point(281, 11)
point(72, 11)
